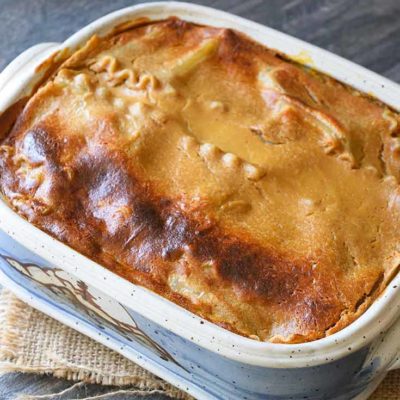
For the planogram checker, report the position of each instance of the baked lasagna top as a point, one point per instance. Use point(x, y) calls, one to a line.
point(249, 189)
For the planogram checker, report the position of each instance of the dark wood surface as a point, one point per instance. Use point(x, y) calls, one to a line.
point(364, 31)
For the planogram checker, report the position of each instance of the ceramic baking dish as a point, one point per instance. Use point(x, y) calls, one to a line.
point(193, 354)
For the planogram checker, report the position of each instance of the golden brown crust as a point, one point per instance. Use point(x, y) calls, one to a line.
point(246, 188)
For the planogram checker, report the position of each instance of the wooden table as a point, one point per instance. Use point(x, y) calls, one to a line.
point(365, 31)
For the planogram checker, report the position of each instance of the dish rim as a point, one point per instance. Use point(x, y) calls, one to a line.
point(377, 318)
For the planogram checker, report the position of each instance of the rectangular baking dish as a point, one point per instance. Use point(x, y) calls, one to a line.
point(194, 354)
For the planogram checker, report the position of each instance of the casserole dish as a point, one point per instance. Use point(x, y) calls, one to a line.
point(243, 367)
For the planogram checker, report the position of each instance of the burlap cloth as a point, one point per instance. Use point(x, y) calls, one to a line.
point(33, 342)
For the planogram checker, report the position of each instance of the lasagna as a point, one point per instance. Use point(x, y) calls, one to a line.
point(249, 189)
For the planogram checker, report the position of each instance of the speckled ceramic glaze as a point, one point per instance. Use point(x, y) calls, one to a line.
point(193, 354)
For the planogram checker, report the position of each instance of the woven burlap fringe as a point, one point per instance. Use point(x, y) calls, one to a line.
point(33, 342)
point(389, 389)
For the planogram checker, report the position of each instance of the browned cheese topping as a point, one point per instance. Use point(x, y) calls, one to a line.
point(250, 190)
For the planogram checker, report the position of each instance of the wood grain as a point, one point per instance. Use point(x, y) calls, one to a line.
point(364, 31)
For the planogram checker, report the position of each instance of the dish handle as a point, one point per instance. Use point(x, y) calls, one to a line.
point(388, 350)
point(396, 363)
point(27, 57)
